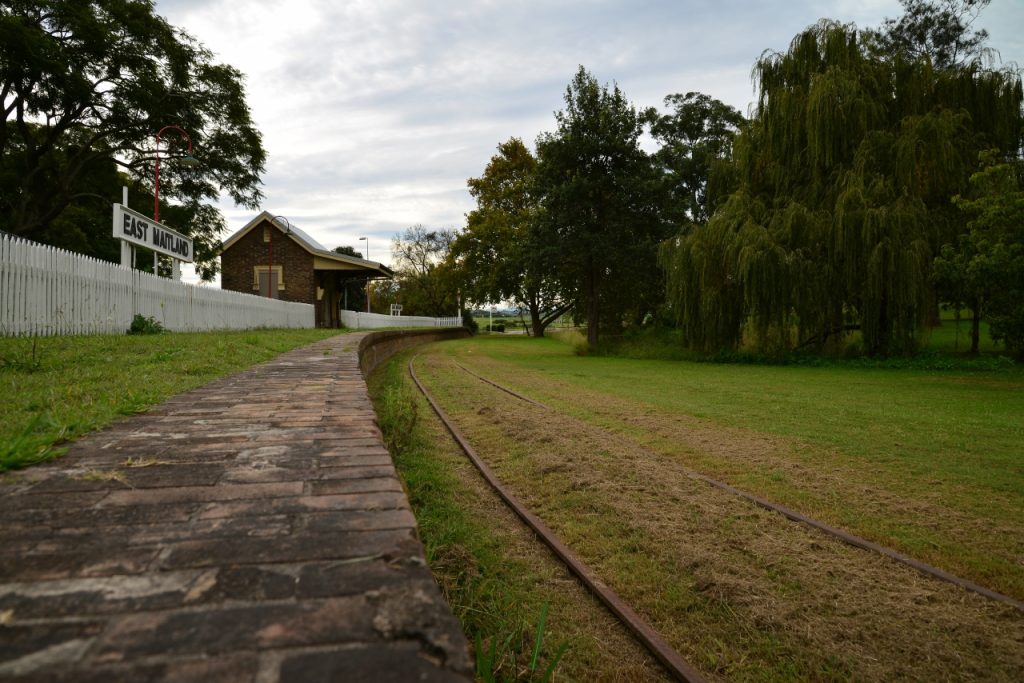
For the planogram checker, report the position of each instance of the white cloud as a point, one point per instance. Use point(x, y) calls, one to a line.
point(375, 112)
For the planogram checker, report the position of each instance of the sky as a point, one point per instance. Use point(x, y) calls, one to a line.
point(374, 113)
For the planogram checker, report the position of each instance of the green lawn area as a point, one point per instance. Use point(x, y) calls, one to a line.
point(928, 462)
point(58, 388)
point(931, 462)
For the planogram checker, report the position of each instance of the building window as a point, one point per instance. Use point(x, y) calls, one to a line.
point(260, 277)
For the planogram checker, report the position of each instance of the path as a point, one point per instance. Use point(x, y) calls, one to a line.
point(250, 530)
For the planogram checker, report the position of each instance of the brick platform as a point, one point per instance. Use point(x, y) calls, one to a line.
point(250, 530)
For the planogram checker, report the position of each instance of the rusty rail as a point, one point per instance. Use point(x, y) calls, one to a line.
point(651, 639)
point(839, 534)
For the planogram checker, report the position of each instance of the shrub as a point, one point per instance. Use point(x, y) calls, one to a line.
point(143, 325)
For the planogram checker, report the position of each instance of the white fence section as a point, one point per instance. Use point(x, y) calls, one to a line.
point(374, 321)
point(49, 291)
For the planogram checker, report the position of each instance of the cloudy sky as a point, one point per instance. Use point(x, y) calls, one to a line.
point(375, 112)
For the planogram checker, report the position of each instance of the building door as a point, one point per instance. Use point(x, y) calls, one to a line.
point(273, 289)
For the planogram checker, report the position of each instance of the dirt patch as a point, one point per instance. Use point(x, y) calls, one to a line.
point(741, 592)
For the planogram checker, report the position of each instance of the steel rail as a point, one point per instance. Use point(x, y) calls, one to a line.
point(844, 536)
point(652, 640)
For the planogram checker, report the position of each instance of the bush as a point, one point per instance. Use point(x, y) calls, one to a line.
point(143, 325)
point(469, 323)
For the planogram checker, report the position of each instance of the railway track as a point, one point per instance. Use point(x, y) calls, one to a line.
point(844, 536)
point(630, 618)
point(649, 636)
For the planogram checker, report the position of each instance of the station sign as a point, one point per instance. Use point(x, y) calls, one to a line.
point(132, 226)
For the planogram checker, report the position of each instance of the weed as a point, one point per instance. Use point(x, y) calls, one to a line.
point(398, 415)
point(27, 360)
point(143, 325)
point(502, 662)
point(32, 444)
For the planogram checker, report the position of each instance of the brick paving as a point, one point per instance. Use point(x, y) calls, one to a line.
point(250, 530)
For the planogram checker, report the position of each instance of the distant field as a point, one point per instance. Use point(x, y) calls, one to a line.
point(929, 463)
point(58, 388)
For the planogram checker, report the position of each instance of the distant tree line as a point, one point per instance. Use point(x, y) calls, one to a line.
point(878, 178)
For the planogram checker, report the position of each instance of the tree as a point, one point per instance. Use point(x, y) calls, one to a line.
point(497, 255)
point(600, 218)
point(985, 268)
point(937, 31)
point(86, 85)
point(846, 176)
point(694, 138)
point(426, 283)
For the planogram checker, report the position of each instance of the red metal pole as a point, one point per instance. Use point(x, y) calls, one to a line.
point(156, 184)
point(270, 261)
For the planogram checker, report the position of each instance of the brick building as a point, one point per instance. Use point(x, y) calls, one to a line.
point(268, 257)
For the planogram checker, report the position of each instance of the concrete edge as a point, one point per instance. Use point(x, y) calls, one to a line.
point(377, 347)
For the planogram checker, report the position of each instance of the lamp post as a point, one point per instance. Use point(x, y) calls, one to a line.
point(270, 253)
point(367, 240)
point(188, 160)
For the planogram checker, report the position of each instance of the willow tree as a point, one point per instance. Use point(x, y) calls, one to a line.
point(846, 176)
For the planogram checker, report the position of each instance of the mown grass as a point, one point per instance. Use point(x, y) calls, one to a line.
point(58, 388)
point(498, 597)
point(952, 440)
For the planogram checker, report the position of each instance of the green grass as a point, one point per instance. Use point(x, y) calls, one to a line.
point(495, 595)
point(58, 388)
point(947, 440)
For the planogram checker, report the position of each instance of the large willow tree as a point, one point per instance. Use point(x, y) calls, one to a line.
point(846, 175)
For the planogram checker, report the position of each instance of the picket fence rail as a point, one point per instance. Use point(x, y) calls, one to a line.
point(47, 291)
point(365, 321)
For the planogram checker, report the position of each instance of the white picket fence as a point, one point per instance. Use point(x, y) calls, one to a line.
point(47, 291)
point(374, 321)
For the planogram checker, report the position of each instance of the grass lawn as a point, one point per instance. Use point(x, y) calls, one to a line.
point(58, 388)
point(928, 462)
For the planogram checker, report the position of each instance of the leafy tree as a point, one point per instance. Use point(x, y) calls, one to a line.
point(938, 31)
point(600, 218)
point(87, 85)
point(985, 268)
point(425, 279)
point(497, 255)
point(348, 251)
point(845, 176)
point(694, 138)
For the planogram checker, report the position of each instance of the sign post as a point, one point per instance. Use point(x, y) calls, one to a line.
point(131, 227)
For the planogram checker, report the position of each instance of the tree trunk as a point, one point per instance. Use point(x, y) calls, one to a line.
point(975, 327)
point(535, 322)
point(593, 307)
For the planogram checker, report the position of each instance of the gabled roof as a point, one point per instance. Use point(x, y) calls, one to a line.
point(307, 243)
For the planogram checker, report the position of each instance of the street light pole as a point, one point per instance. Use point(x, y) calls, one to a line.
point(367, 240)
point(270, 253)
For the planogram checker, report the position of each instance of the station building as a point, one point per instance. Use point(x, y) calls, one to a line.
point(269, 257)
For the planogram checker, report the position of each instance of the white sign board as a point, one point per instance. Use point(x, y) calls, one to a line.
point(132, 226)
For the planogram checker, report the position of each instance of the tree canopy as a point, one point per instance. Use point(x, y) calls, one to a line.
point(846, 175)
point(424, 282)
point(498, 253)
point(696, 136)
point(601, 201)
point(984, 269)
point(86, 85)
